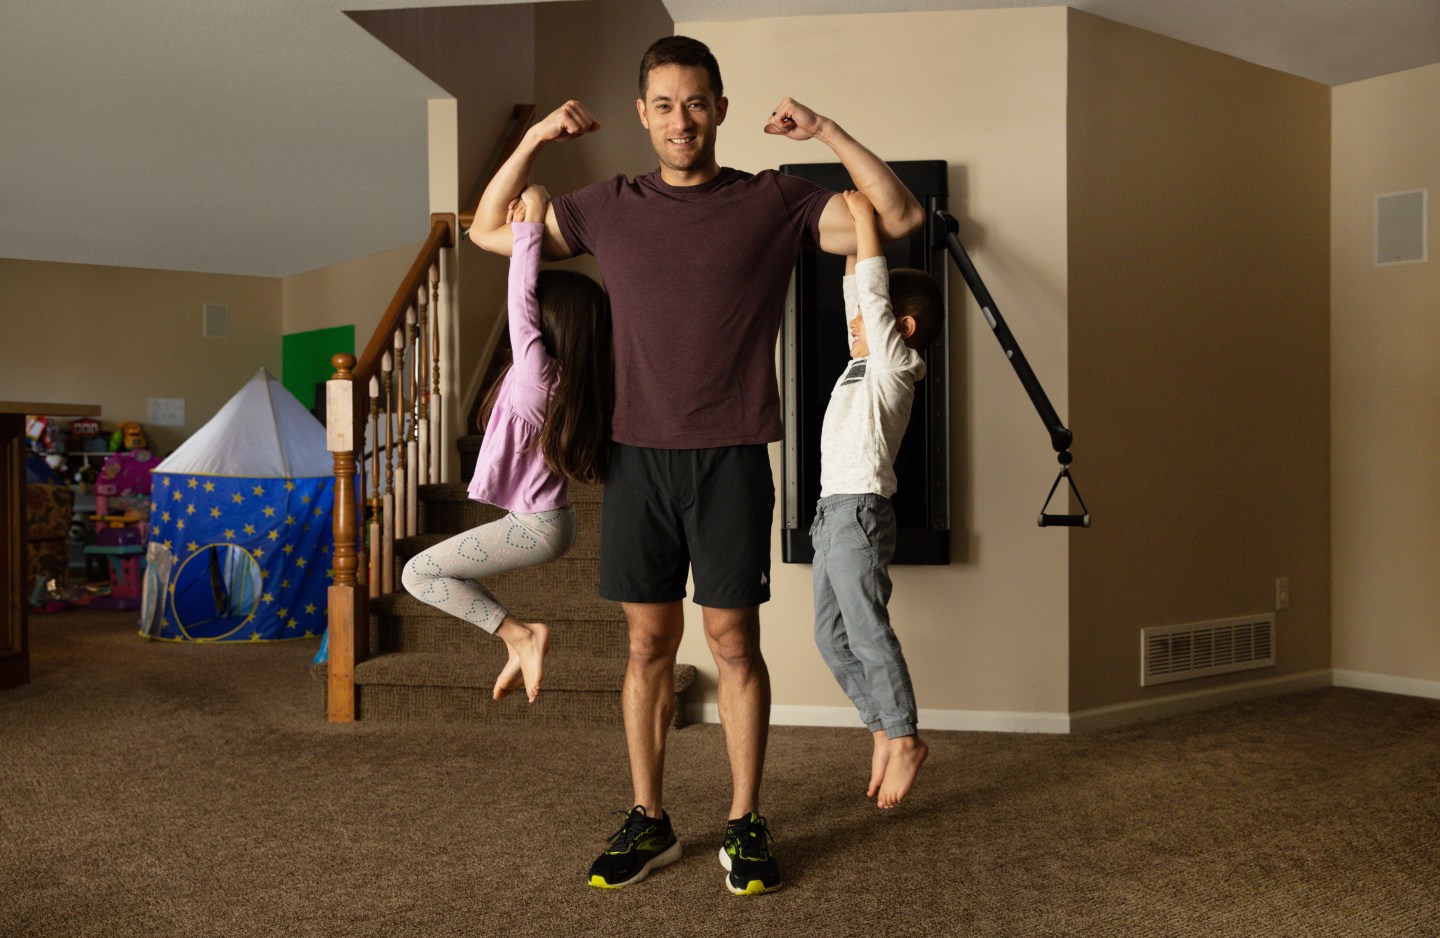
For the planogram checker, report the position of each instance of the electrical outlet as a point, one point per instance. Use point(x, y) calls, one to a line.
point(1282, 593)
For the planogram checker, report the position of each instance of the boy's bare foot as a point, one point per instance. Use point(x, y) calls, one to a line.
point(907, 754)
point(879, 757)
point(526, 643)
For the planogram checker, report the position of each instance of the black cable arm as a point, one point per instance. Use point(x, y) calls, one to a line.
point(1060, 436)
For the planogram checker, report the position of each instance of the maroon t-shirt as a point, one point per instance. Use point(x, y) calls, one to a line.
point(697, 277)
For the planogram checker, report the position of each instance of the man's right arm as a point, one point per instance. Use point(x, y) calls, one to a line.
point(490, 230)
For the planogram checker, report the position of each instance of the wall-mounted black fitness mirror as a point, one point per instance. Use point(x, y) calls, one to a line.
point(815, 349)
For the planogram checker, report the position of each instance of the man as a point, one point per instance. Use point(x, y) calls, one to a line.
point(697, 260)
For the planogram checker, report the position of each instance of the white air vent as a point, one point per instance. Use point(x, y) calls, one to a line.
point(1400, 228)
point(217, 321)
point(1181, 652)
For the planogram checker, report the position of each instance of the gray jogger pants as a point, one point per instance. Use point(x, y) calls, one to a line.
point(854, 538)
point(447, 576)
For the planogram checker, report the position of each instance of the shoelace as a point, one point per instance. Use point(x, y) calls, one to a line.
point(636, 824)
point(748, 834)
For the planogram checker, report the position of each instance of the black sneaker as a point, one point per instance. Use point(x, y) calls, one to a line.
point(642, 844)
point(746, 855)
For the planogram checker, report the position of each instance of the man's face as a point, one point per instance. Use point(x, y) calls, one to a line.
point(681, 113)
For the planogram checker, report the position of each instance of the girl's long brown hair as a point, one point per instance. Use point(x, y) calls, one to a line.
point(575, 329)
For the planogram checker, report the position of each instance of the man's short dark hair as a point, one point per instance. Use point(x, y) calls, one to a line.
point(916, 294)
point(680, 50)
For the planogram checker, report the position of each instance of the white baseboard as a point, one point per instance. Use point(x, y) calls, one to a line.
point(996, 721)
point(1098, 718)
point(1082, 721)
point(1386, 684)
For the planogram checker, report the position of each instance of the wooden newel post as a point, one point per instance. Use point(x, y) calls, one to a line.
point(343, 597)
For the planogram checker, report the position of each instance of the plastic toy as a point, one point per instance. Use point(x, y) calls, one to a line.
point(124, 482)
point(132, 437)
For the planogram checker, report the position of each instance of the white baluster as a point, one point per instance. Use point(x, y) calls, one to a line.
point(438, 435)
point(412, 411)
point(387, 501)
point(377, 543)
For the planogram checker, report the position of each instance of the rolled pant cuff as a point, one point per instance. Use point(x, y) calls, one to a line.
point(899, 729)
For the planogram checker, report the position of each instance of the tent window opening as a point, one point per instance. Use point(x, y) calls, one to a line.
point(217, 590)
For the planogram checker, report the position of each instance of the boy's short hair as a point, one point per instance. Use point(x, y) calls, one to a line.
point(916, 294)
point(680, 50)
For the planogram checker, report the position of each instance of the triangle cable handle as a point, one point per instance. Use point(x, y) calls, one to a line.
point(1082, 520)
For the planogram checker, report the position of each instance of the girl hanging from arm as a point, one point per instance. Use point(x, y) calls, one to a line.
point(550, 423)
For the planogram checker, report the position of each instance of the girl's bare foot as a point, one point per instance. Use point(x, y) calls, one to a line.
point(526, 643)
point(510, 677)
point(907, 754)
point(879, 756)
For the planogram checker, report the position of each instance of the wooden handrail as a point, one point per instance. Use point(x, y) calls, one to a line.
point(520, 117)
point(442, 235)
point(389, 404)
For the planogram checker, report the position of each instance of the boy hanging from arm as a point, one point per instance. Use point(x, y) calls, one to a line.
point(854, 529)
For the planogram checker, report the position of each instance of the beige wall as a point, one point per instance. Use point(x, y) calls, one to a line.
point(591, 51)
point(1385, 363)
point(986, 635)
point(560, 51)
point(116, 336)
point(483, 55)
point(353, 293)
point(1199, 342)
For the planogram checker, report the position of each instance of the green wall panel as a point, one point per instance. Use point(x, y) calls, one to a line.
point(305, 359)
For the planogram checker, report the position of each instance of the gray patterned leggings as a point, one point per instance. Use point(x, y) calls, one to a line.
point(447, 576)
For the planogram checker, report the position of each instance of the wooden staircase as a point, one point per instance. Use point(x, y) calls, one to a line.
point(390, 656)
point(428, 665)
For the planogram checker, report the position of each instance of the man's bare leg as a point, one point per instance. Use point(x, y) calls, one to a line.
point(734, 638)
point(648, 697)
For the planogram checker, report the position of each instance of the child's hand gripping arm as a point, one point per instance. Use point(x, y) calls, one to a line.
point(897, 210)
point(526, 217)
point(861, 205)
point(867, 230)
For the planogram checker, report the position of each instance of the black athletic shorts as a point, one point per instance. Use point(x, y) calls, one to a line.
point(667, 510)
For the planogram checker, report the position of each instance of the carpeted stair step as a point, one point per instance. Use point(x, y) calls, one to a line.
point(449, 507)
point(587, 544)
point(406, 624)
point(447, 687)
point(430, 666)
point(469, 447)
point(566, 588)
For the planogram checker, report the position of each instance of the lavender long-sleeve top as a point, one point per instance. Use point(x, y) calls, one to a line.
point(510, 472)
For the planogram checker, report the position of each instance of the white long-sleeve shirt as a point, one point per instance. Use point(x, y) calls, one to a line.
point(870, 403)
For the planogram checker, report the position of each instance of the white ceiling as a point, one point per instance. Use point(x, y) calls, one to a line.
point(271, 137)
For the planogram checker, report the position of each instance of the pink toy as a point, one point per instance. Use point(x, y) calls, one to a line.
point(124, 482)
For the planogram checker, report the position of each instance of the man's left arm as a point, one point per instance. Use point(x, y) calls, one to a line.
point(896, 208)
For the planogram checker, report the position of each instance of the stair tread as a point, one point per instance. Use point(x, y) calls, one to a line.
point(460, 492)
point(439, 667)
point(425, 669)
point(586, 546)
point(526, 598)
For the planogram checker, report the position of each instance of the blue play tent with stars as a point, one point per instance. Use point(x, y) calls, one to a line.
point(240, 543)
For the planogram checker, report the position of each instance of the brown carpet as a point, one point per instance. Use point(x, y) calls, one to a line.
point(159, 790)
